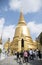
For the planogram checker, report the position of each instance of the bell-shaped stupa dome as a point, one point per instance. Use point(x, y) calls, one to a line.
point(21, 28)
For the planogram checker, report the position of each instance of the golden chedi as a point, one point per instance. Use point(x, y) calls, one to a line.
point(22, 39)
point(7, 45)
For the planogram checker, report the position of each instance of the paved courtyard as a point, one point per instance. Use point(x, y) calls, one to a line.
point(12, 61)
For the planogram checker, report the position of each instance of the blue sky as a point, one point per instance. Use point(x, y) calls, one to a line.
point(10, 12)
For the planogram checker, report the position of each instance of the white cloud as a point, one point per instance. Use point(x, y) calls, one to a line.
point(9, 32)
point(35, 28)
point(6, 31)
point(26, 5)
point(14, 4)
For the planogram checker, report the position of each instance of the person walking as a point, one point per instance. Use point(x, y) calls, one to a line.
point(17, 56)
point(25, 56)
point(21, 56)
point(31, 54)
point(39, 54)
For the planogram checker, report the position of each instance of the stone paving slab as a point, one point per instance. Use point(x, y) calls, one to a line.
point(11, 61)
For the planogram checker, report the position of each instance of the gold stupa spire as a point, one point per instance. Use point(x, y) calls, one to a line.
point(21, 19)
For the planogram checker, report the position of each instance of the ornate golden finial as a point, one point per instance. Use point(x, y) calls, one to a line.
point(21, 19)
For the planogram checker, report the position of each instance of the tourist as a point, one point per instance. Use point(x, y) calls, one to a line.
point(17, 56)
point(39, 54)
point(34, 54)
point(31, 54)
point(25, 56)
point(21, 56)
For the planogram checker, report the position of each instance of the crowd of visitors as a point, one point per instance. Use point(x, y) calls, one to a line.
point(25, 56)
